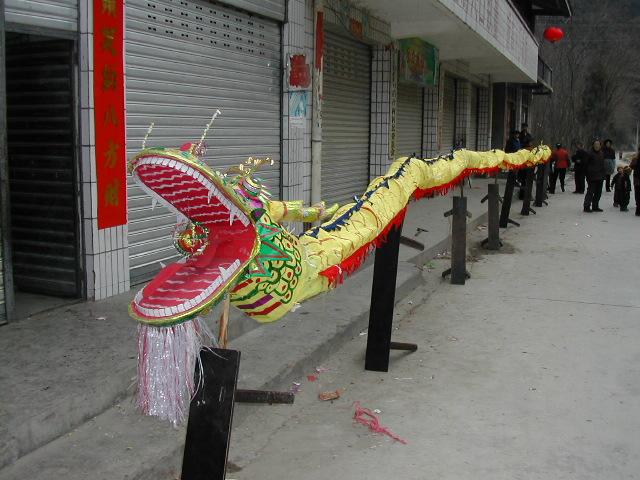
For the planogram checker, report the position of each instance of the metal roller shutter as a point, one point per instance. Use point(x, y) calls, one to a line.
point(184, 60)
point(448, 115)
point(472, 134)
point(345, 118)
point(41, 152)
point(3, 309)
point(269, 8)
point(409, 120)
point(57, 14)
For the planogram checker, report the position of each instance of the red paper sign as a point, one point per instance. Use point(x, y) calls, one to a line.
point(319, 40)
point(109, 113)
point(299, 76)
point(356, 28)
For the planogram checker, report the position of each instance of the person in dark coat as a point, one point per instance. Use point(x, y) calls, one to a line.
point(614, 186)
point(526, 140)
point(609, 162)
point(579, 160)
point(595, 178)
point(513, 144)
point(635, 167)
point(623, 188)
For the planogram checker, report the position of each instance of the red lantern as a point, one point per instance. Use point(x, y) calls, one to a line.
point(553, 34)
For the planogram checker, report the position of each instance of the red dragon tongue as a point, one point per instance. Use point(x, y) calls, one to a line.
point(162, 276)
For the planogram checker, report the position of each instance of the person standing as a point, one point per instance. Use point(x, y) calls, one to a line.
point(513, 144)
point(595, 178)
point(526, 140)
point(617, 188)
point(624, 185)
point(609, 162)
point(579, 160)
point(560, 161)
point(635, 166)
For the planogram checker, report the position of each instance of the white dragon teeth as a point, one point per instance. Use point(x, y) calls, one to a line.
point(232, 216)
point(225, 273)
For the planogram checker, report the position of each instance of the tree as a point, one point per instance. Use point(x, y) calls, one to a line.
point(596, 75)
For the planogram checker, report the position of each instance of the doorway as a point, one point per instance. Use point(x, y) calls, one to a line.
point(42, 165)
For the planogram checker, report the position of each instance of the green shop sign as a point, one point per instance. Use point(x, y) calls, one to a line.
point(418, 61)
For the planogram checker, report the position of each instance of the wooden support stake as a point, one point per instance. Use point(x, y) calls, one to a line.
point(223, 339)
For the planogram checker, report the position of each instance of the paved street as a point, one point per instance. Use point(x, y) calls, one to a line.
point(529, 371)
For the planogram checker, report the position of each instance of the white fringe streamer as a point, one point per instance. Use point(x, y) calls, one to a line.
point(167, 358)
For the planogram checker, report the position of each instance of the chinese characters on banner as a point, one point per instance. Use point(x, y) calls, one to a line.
point(109, 117)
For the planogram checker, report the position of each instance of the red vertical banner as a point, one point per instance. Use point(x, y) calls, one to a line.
point(109, 112)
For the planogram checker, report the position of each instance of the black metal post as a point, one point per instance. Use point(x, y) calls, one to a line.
point(264, 396)
point(383, 293)
point(210, 416)
point(458, 269)
point(492, 242)
point(507, 199)
point(542, 175)
point(528, 190)
point(547, 174)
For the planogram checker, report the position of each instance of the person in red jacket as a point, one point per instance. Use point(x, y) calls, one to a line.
point(560, 162)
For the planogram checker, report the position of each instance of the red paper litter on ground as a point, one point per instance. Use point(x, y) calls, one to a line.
point(312, 378)
point(366, 417)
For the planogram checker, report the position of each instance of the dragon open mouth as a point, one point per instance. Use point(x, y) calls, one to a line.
point(217, 236)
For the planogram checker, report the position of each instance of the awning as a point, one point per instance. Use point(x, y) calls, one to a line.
point(552, 8)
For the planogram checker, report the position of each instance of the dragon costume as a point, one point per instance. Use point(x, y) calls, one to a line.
point(233, 243)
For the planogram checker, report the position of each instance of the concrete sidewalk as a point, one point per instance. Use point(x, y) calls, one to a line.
point(67, 374)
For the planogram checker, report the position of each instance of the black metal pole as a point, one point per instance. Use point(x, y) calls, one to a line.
point(459, 241)
point(528, 190)
point(492, 242)
point(458, 269)
point(383, 294)
point(210, 416)
point(540, 186)
point(507, 199)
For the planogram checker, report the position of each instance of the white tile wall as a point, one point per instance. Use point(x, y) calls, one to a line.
point(430, 122)
point(484, 119)
point(298, 38)
point(382, 88)
point(105, 274)
point(462, 112)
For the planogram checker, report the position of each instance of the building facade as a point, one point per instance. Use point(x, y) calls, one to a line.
point(315, 85)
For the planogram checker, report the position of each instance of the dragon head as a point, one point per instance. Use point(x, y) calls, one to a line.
point(221, 226)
